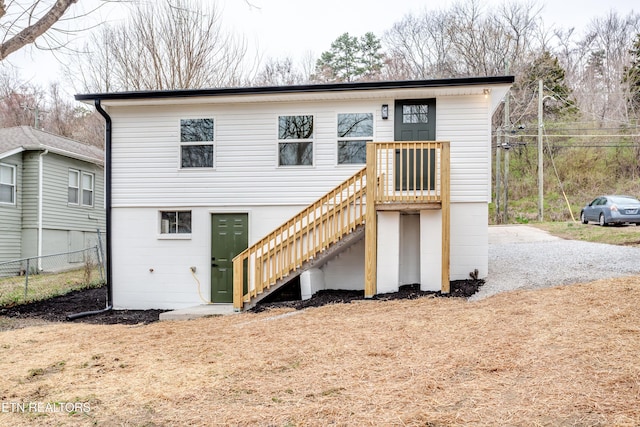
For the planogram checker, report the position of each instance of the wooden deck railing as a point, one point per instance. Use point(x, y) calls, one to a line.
point(409, 171)
point(403, 173)
point(300, 239)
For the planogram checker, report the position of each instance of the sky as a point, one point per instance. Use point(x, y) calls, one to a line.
point(294, 28)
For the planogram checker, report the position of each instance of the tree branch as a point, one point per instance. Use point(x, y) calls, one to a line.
point(29, 34)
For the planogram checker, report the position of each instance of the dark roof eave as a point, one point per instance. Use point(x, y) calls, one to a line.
point(327, 87)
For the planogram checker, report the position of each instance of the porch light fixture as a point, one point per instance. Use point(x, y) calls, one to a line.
point(486, 92)
point(384, 111)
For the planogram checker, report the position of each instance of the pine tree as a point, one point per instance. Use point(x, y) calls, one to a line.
point(632, 78)
point(350, 59)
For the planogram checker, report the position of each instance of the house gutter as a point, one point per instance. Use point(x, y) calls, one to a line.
point(40, 197)
point(107, 185)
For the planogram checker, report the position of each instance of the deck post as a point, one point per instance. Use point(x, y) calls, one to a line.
point(371, 229)
point(445, 194)
point(237, 283)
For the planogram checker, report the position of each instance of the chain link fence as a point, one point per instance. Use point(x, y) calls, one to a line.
point(38, 278)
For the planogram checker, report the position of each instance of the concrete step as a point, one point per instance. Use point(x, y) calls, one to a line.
point(197, 311)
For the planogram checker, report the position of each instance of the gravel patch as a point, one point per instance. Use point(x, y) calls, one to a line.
point(539, 264)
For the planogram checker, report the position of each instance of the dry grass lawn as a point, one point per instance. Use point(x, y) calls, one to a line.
point(566, 356)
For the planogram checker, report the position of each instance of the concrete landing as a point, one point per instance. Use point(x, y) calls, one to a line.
point(202, 310)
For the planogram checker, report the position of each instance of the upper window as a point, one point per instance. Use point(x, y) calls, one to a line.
point(87, 189)
point(175, 222)
point(74, 187)
point(81, 188)
point(7, 184)
point(354, 130)
point(295, 140)
point(196, 143)
point(415, 113)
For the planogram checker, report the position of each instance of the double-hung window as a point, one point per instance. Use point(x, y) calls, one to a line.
point(196, 143)
point(81, 188)
point(87, 189)
point(295, 140)
point(7, 184)
point(354, 130)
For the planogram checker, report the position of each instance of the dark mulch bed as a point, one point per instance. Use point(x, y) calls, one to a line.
point(459, 289)
point(58, 308)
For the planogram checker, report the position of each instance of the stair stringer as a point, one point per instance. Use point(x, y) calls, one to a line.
point(319, 260)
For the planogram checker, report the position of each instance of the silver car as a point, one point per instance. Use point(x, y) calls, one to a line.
point(612, 210)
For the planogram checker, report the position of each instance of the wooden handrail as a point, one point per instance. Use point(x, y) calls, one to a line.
point(401, 172)
point(407, 179)
point(300, 239)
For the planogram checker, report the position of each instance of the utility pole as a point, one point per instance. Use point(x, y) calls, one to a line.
point(505, 135)
point(498, 175)
point(540, 163)
point(505, 211)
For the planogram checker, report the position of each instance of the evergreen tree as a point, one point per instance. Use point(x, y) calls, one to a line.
point(547, 68)
point(632, 77)
point(350, 59)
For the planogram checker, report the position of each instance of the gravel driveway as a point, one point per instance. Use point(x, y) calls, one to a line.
point(523, 257)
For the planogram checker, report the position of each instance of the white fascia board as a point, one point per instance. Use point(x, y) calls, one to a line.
point(11, 152)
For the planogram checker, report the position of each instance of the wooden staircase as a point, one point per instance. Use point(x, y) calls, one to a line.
point(405, 176)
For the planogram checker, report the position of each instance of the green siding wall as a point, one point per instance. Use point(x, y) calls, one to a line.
point(57, 213)
point(11, 217)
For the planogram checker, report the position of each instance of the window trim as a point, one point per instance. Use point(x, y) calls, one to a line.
point(13, 185)
point(310, 140)
point(366, 139)
point(78, 174)
point(211, 143)
point(80, 189)
point(177, 235)
point(93, 189)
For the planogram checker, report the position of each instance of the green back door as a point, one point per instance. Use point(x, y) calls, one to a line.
point(229, 237)
point(415, 120)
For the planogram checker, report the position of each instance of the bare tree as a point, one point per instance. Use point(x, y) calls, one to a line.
point(465, 39)
point(176, 44)
point(20, 102)
point(279, 72)
point(23, 22)
point(603, 53)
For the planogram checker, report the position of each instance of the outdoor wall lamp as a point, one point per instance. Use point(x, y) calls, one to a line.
point(384, 111)
point(486, 92)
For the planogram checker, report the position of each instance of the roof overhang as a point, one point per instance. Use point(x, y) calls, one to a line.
point(54, 150)
point(403, 89)
point(11, 152)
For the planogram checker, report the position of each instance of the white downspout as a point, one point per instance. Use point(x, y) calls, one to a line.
point(40, 197)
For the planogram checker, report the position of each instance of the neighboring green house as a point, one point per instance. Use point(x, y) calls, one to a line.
point(51, 193)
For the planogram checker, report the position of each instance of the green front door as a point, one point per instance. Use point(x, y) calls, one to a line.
point(229, 237)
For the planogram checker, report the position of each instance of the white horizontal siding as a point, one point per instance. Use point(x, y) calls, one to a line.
point(465, 121)
point(146, 155)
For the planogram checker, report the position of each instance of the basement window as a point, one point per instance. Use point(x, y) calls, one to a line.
point(175, 222)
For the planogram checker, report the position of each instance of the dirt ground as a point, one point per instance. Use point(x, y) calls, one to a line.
point(57, 309)
point(561, 356)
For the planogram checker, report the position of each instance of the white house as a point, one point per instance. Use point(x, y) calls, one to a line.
point(279, 178)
